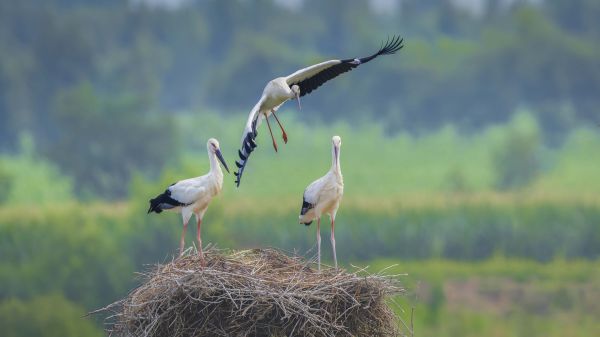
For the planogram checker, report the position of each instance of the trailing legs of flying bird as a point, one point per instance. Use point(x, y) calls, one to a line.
point(283, 133)
point(271, 132)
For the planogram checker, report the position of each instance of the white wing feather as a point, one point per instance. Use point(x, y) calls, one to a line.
point(311, 193)
point(307, 72)
point(189, 191)
point(252, 116)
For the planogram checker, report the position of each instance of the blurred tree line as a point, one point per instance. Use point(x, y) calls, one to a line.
point(96, 83)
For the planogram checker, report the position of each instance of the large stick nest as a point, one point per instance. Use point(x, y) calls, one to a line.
point(261, 292)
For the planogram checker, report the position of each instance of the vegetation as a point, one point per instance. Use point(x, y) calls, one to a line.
point(469, 158)
point(130, 66)
point(499, 297)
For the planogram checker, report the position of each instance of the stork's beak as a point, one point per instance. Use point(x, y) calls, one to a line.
point(221, 159)
point(298, 99)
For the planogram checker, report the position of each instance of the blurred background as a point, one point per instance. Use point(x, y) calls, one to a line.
point(470, 158)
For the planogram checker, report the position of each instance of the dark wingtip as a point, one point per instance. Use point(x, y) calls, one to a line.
point(151, 208)
point(392, 46)
point(387, 48)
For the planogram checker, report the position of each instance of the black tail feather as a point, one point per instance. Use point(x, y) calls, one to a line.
point(162, 202)
point(306, 206)
point(155, 205)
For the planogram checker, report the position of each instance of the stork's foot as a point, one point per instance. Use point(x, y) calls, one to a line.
point(284, 136)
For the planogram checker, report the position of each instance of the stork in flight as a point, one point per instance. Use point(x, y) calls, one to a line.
point(294, 86)
point(323, 196)
point(192, 196)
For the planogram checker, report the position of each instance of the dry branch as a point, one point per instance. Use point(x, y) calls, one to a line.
point(261, 292)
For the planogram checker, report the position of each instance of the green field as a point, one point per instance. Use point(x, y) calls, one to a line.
point(523, 273)
point(483, 257)
point(499, 297)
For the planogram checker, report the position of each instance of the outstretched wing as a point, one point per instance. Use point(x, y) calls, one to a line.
point(310, 78)
point(248, 141)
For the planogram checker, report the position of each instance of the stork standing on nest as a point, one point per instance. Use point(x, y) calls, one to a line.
point(192, 196)
point(294, 86)
point(323, 196)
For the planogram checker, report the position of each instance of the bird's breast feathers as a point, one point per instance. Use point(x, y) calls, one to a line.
point(276, 92)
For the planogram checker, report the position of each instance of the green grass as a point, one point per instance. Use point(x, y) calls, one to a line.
point(498, 297)
point(383, 166)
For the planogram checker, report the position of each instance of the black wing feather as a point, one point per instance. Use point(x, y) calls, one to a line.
point(164, 201)
point(306, 206)
point(248, 145)
point(309, 84)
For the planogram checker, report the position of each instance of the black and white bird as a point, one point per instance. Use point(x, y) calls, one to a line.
point(323, 196)
point(294, 86)
point(192, 196)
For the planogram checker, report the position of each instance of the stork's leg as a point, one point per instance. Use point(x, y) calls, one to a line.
point(319, 242)
point(283, 134)
point(199, 238)
point(271, 132)
point(182, 242)
point(333, 241)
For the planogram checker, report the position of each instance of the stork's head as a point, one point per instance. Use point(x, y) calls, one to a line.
point(213, 147)
point(336, 141)
point(296, 91)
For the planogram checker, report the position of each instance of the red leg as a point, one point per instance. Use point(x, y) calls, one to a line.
point(182, 242)
point(271, 132)
point(333, 241)
point(319, 242)
point(199, 238)
point(283, 134)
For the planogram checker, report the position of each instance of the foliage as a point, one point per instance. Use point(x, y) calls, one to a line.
point(48, 316)
point(76, 251)
point(26, 178)
point(92, 251)
point(499, 297)
point(516, 161)
point(470, 69)
point(108, 140)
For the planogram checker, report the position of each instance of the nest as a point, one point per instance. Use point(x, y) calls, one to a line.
point(261, 292)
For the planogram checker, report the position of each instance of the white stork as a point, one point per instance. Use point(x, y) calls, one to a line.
point(323, 196)
point(192, 196)
point(294, 86)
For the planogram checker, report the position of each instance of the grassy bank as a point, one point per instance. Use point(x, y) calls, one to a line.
point(499, 297)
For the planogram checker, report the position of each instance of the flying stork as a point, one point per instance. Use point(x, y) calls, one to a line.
point(192, 196)
point(294, 86)
point(323, 196)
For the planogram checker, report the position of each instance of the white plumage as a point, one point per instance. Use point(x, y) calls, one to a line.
point(192, 196)
point(323, 196)
point(294, 86)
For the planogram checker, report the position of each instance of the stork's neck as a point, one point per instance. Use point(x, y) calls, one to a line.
point(215, 168)
point(335, 161)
